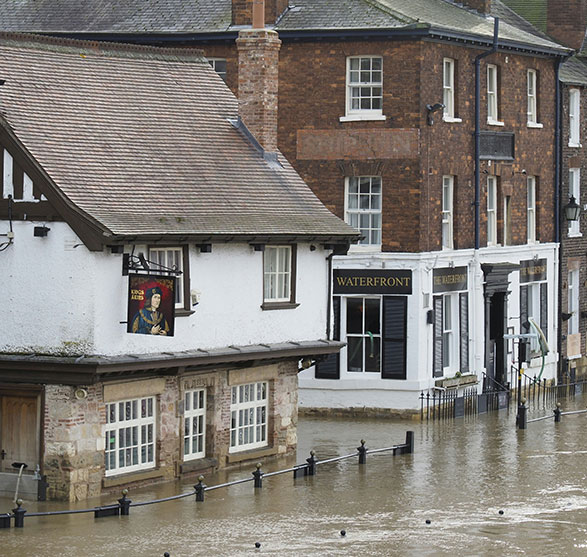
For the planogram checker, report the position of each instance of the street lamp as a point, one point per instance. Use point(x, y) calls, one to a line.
point(572, 210)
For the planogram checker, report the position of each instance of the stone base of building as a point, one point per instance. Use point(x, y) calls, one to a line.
point(361, 412)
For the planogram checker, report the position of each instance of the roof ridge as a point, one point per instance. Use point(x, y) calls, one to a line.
point(100, 48)
point(378, 4)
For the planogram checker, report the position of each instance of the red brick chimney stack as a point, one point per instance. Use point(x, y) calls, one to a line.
point(566, 22)
point(258, 60)
point(242, 11)
point(482, 6)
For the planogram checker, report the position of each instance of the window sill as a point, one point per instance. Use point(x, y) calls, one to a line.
point(267, 306)
point(251, 454)
point(362, 117)
point(197, 465)
point(183, 312)
point(574, 235)
point(128, 477)
point(535, 125)
point(575, 145)
point(451, 119)
point(495, 123)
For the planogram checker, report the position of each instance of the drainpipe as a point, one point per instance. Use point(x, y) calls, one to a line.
point(478, 128)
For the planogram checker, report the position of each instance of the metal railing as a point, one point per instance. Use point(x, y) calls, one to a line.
point(123, 506)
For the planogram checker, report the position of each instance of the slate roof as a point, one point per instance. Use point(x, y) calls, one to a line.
point(141, 140)
point(214, 16)
point(574, 71)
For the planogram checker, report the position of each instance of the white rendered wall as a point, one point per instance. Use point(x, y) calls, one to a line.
point(67, 300)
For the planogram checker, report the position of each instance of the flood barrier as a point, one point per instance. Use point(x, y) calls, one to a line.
point(123, 506)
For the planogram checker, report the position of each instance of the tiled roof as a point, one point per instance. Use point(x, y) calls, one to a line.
point(140, 140)
point(197, 16)
point(574, 71)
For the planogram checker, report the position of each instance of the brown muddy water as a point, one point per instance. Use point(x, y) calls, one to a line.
point(462, 473)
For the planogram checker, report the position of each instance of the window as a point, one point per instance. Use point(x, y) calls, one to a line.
point(219, 65)
point(363, 327)
point(130, 435)
point(277, 274)
point(531, 209)
point(574, 118)
point(533, 99)
point(363, 207)
point(573, 302)
point(491, 210)
point(575, 191)
point(194, 424)
point(492, 95)
point(536, 308)
point(449, 322)
point(507, 221)
point(448, 90)
point(248, 416)
point(451, 334)
point(364, 93)
point(447, 211)
point(174, 258)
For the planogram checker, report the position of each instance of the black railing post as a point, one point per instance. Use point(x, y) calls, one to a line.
point(362, 452)
point(5, 520)
point(200, 488)
point(19, 513)
point(124, 503)
point(522, 420)
point(557, 412)
point(258, 475)
point(311, 464)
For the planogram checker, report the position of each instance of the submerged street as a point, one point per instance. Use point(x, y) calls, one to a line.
point(444, 499)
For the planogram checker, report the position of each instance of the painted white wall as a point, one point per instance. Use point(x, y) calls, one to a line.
point(64, 299)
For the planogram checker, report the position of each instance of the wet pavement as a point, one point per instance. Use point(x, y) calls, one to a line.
point(473, 486)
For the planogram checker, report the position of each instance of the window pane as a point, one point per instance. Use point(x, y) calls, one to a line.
point(372, 321)
point(355, 353)
point(354, 322)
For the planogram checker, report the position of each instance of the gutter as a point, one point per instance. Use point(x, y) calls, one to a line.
point(478, 127)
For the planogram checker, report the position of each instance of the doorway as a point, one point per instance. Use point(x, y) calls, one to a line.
point(19, 431)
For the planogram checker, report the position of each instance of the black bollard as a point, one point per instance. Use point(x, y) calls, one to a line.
point(200, 488)
point(19, 513)
point(557, 412)
point(522, 414)
point(5, 520)
point(362, 452)
point(124, 503)
point(311, 464)
point(258, 475)
point(409, 448)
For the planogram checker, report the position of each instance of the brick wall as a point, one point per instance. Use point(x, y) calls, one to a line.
point(567, 21)
point(242, 11)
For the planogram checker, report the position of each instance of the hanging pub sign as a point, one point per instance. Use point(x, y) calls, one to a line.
point(151, 305)
point(376, 281)
point(451, 279)
point(532, 270)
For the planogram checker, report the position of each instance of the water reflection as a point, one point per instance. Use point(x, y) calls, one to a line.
point(461, 475)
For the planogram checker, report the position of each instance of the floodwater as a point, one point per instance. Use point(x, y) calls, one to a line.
point(444, 499)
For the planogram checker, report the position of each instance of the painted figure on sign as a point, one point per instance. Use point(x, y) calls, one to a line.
point(150, 320)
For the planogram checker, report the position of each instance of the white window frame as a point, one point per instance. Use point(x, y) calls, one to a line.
point(491, 211)
point(194, 424)
point(132, 424)
point(574, 118)
point(492, 96)
point(171, 257)
point(534, 312)
point(367, 337)
point(215, 62)
point(447, 212)
point(573, 301)
point(354, 85)
point(363, 200)
point(575, 191)
point(532, 95)
point(531, 209)
point(450, 333)
point(249, 412)
point(277, 274)
point(448, 90)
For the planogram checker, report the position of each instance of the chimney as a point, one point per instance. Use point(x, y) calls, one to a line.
point(566, 22)
point(242, 11)
point(258, 60)
point(482, 6)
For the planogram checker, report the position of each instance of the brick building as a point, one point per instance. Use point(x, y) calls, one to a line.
point(433, 135)
point(166, 274)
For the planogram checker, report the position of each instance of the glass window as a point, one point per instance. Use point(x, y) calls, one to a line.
point(194, 424)
point(531, 208)
point(492, 108)
point(363, 207)
point(447, 211)
point(573, 301)
point(248, 416)
point(491, 210)
point(448, 85)
point(575, 191)
point(172, 258)
point(365, 85)
point(219, 65)
point(532, 97)
point(130, 435)
point(574, 118)
point(363, 334)
point(277, 275)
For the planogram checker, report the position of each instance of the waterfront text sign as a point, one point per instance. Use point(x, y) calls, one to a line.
point(451, 279)
point(377, 281)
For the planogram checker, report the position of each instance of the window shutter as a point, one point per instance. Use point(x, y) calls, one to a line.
point(464, 332)
point(329, 368)
point(544, 309)
point(437, 357)
point(394, 337)
point(524, 329)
